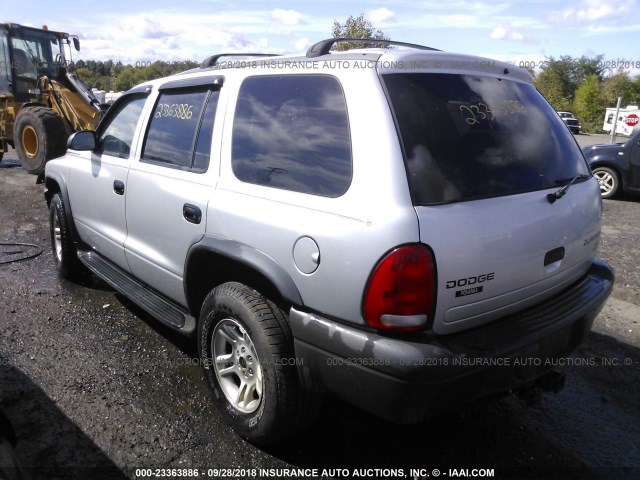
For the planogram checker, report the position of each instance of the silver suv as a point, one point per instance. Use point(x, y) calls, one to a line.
point(403, 228)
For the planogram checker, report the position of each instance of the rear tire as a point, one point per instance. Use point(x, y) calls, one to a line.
point(39, 136)
point(246, 350)
point(609, 181)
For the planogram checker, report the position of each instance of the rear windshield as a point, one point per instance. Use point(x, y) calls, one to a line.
point(469, 137)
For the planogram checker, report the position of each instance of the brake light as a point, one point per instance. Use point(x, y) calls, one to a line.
point(401, 293)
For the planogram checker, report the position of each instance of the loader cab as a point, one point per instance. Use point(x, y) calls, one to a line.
point(26, 54)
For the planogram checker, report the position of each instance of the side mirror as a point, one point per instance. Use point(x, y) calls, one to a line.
point(82, 141)
point(76, 43)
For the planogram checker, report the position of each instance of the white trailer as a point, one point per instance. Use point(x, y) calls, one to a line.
point(628, 118)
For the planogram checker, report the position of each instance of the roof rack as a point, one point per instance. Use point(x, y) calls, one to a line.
point(213, 59)
point(323, 47)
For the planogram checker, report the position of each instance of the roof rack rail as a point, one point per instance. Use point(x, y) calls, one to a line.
point(323, 47)
point(213, 59)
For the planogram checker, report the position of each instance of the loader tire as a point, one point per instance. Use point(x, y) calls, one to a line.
point(39, 136)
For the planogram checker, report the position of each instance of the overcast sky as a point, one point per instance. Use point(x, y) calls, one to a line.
point(150, 30)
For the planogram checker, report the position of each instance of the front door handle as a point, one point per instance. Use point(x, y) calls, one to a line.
point(191, 213)
point(118, 187)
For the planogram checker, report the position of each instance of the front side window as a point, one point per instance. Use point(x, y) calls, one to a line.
point(179, 134)
point(115, 135)
point(468, 137)
point(292, 132)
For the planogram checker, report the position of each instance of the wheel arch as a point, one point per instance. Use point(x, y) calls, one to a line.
point(216, 260)
point(54, 183)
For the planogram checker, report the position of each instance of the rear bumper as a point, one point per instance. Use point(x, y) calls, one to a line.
point(407, 381)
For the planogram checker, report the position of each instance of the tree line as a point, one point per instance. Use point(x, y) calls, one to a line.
point(116, 76)
point(586, 86)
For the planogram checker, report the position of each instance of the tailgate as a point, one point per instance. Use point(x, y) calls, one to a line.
point(501, 255)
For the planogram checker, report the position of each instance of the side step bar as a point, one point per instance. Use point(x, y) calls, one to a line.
point(144, 297)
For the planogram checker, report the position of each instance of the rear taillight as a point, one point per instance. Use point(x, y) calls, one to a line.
point(401, 293)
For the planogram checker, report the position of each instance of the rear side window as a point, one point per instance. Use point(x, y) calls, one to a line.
point(469, 137)
point(179, 135)
point(292, 132)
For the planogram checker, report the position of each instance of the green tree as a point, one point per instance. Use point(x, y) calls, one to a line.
point(550, 85)
point(561, 71)
point(87, 75)
point(589, 103)
point(618, 85)
point(125, 79)
point(635, 97)
point(567, 73)
point(116, 76)
point(585, 67)
point(357, 27)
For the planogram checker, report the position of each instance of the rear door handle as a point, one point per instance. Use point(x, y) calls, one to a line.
point(118, 187)
point(191, 213)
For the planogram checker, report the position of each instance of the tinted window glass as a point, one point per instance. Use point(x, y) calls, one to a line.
point(469, 137)
point(292, 132)
point(173, 128)
point(116, 134)
point(203, 143)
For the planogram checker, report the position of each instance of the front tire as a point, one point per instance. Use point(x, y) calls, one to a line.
point(246, 350)
point(39, 136)
point(609, 181)
point(64, 250)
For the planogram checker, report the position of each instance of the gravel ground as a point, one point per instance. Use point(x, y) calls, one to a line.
point(96, 388)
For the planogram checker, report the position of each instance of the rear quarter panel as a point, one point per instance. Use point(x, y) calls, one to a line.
point(352, 231)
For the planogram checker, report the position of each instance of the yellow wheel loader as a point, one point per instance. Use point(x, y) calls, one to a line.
point(41, 101)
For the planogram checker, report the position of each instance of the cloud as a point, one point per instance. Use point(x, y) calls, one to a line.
point(198, 28)
point(302, 44)
point(148, 26)
point(593, 10)
point(456, 21)
point(380, 15)
point(506, 33)
point(287, 17)
point(170, 36)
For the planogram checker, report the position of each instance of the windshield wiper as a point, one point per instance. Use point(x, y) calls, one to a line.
point(552, 197)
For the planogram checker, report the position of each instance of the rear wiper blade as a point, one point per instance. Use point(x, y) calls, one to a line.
point(552, 197)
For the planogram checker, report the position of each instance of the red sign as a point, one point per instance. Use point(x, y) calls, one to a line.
point(631, 120)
